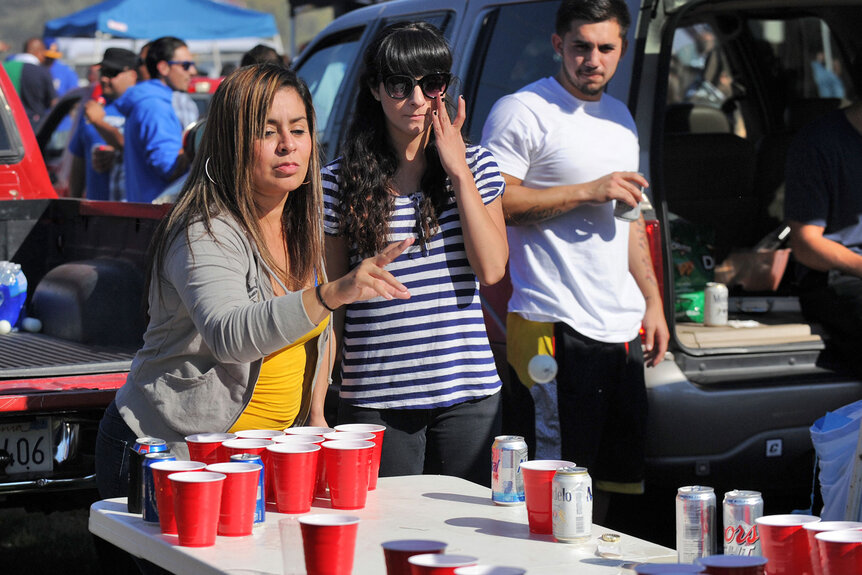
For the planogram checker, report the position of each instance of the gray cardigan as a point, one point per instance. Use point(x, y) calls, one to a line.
point(212, 322)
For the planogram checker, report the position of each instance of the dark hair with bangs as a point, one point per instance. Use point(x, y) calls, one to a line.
point(368, 160)
point(592, 11)
point(221, 179)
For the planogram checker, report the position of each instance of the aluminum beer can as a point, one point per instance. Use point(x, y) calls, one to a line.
point(148, 496)
point(740, 510)
point(695, 523)
point(715, 304)
point(572, 504)
point(136, 459)
point(260, 505)
point(507, 483)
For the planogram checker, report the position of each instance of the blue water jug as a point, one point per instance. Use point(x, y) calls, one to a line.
point(13, 291)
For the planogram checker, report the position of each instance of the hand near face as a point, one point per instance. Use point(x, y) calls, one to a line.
point(450, 143)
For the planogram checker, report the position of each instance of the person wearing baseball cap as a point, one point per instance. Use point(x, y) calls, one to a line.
point(98, 141)
point(64, 77)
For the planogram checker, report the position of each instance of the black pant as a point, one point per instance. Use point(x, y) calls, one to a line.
point(834, 300)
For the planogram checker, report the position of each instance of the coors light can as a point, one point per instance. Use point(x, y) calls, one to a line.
point(741, 510)
point(695, 523)
point(715, 304)
point(572, 504)
point(507, 482)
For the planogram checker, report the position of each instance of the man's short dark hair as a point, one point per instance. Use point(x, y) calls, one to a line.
point(261, 54)
point(161, 49)
point(592, 11)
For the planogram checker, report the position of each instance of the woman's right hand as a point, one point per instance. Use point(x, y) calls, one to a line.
point(368, 280)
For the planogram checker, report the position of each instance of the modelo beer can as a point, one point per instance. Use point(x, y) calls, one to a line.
point(148, 497)
point(136, 459)
point(572, 504)
point(695, 523)
point(507, 483)
point(740, 510)
point(715, 304)
point(260, 505)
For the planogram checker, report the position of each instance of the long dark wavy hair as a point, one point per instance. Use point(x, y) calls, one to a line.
point(221, 182)
point(368, 160)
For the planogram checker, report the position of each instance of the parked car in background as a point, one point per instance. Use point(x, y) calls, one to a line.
point(718, 88)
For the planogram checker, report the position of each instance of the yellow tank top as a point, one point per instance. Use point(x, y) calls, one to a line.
point(278, 393)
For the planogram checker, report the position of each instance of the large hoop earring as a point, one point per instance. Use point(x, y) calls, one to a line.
point(207, 171)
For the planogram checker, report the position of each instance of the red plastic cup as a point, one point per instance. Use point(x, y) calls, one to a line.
point(349, 436)
point(165, 492)
point(307, 430)
point(733, 565)
point(259, 434)
point(439, 563)
point(812, 529)
point(257, 447)
point(238, 497)
point(320, 481)
point(347, 472)
point(329, 543)
point(378, 431)
point(397, 552)
point(197, 500)
point(206, 447)
point(840, 552)
point(538, 475)
point(294, 467)
point(785, 543)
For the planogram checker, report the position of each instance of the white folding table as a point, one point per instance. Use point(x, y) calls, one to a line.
point(416, 507)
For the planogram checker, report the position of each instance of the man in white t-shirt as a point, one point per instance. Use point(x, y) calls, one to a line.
point(583, 282)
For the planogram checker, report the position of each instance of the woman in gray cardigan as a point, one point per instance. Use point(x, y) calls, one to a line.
point(237, 280)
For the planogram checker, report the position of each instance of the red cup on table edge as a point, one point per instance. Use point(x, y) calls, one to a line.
point(398, 551)
point(197, 501)
point(329, 542)
point(785, 543)
point(347, 472)
point(165, 492)
point(538, 475)
point(320, 482)
point(439, 563)
point(294, 469)
point(812, 529)
point(259, 433)
point(840, 551)
point(238, 497)
point(206, 447)
point(307, 430)
point(733, 565)
point(489, 570)
point(378, 431)
point(257, 447)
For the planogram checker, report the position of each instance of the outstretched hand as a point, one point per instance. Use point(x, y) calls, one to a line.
point(369, 279)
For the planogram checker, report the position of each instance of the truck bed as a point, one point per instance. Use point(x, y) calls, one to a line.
point(31, 355)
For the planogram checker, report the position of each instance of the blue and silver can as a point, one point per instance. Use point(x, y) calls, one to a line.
point(260, 506)
point(507, 483)
point(148, 496)
point(142, 446)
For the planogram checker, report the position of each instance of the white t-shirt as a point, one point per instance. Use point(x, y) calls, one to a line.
point(572, 268)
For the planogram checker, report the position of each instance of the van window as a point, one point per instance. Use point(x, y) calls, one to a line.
point(514, 50)
point(325, 71)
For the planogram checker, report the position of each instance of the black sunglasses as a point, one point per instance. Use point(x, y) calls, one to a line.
point(186, 64)
point(399, 86)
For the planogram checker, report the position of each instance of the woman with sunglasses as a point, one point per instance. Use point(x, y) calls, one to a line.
point(422, 368)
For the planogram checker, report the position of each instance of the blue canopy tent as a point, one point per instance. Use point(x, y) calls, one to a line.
point(203, 22)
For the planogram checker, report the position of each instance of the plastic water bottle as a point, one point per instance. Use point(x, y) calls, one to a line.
point(13, 291)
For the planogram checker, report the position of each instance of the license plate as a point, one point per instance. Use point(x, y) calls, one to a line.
point(28, 444)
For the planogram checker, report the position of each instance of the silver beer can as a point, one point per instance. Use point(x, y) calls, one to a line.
point(695, 523)
point(715, 304)
point(507, 482)
point(740, 511)
point(572, 504)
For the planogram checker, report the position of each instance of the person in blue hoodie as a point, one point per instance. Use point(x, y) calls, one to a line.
point(153, 155)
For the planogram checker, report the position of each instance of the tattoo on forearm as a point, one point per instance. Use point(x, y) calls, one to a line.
point(533, 215)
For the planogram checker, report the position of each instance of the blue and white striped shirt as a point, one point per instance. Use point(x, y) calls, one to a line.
point(430, 350)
